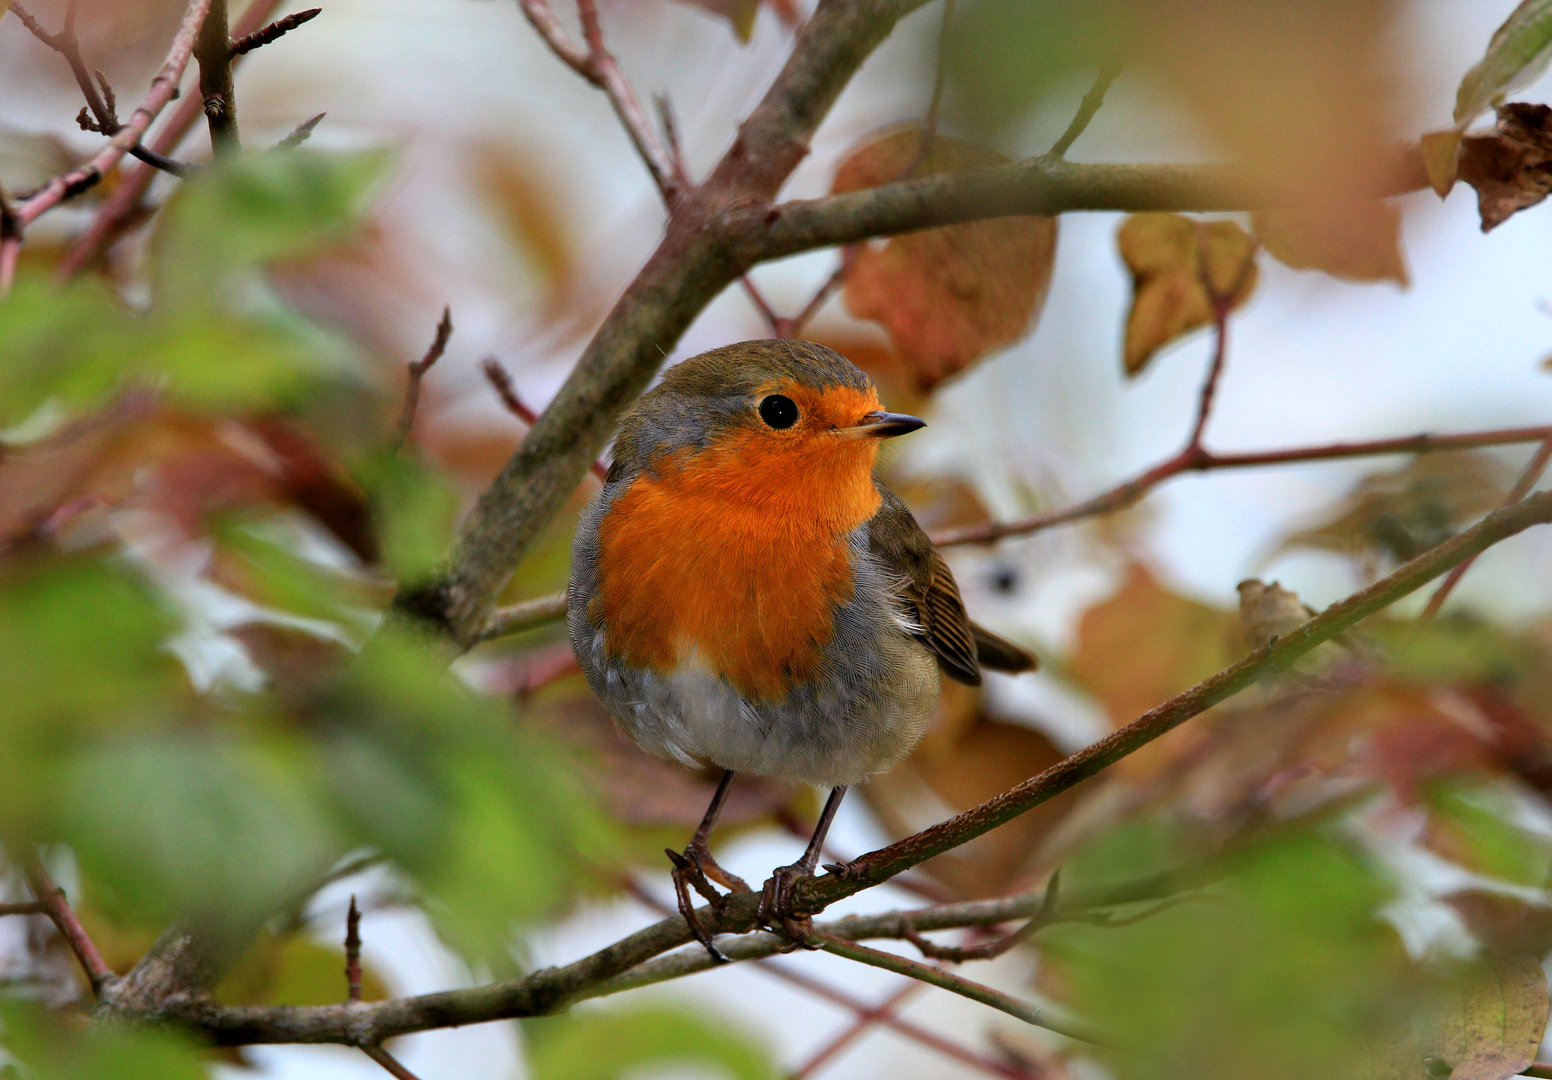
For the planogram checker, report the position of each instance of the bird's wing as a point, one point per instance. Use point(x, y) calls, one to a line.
point(927, 587)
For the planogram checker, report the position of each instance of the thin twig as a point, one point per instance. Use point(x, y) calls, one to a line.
point(266, 34)
point(598, 66)
point(865, 1019)
point(1533, 470)
point(163, 87)
point(353, 951)
point(1086, 110)
point(100, 114)
point(1222, 304)
point(417, 371)
point(389, 1062)
point(822, 295)
point(944, 980)
point(122, 209)
point(501, 380)
point(29, 907)
point(300, 133)
point(1202, 460)
point(516, 618)
point(58, 909)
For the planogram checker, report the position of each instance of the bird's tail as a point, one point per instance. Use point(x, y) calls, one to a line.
point(997, 653)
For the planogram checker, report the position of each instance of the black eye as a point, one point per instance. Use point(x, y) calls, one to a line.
point(779, 411)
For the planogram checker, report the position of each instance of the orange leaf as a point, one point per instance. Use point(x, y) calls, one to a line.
point(947, 296)
point(1354, 241)
point(1168, 256)
point(1511, 165)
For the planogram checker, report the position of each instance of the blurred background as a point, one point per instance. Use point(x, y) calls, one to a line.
point(465, 166)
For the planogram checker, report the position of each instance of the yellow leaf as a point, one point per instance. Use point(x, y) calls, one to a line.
point(1441, 157)
point(1170, 256)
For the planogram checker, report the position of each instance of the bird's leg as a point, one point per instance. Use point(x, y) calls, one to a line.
point(692, 868)
point(776, 898)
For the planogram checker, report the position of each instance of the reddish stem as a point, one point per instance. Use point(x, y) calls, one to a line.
point(353, 951)
point(866, 1018)
point(57, 908)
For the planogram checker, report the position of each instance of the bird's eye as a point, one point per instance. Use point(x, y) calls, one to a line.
point(779, 411)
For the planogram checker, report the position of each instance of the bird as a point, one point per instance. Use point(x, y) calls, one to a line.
point(746, 594)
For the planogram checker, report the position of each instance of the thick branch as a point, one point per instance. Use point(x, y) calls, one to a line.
point(693, 263)
point(1042, 185)
point(163, 87)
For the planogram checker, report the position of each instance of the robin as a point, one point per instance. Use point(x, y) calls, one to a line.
point(746, 594)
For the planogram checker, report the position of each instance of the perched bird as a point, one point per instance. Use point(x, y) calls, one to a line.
point(745, 593)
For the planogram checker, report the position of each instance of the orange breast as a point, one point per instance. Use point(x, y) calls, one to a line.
point(734, 556)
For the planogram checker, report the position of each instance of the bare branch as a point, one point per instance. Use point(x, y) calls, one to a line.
point(353, 951)
point(525, 616)
point(1222, 304)
point(1202, 460)
point(266, 34)
point(598, 66)
point(163, 87)
point(389, 1062)
point(1042, 185)
point(866, 1018)
point(1086, 110)
point(300, 133)
point(1532, 473)
point(417, 372)
point(52, 899)
point(1023, 1010)
point(121, 209)
point(29, 907)
point(213, 50)
point(501, 381)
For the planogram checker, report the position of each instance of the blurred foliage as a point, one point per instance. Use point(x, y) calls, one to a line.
point(55, 1047)
point(590, 1044)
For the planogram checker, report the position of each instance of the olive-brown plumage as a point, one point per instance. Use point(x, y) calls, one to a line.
point(746, 594)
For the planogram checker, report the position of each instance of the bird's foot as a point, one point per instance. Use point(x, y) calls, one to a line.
point(691, 870)
point(776, 910)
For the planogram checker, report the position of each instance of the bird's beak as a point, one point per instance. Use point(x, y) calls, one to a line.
point(883, 425)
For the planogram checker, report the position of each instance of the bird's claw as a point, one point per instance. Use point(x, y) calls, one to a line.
point(691, 870)
point(776, 907)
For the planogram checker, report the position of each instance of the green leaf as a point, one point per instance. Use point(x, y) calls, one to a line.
point(1476, 823)
point(53, 1046)
point(1517, 56)
point(223, 829)
point(606, 1045)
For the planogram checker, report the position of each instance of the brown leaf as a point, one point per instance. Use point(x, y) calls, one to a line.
point(1144, 644)
point(1511, 165)
point(1400, 513)
point(1354, 242)
point(1168, 256)
point(531, 215)
point(1490, 1027)
point(947, 296)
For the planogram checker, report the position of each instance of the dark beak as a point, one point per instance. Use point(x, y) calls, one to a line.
point(883, 425)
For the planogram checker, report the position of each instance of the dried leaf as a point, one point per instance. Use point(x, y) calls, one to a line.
point(948, 296)
point(1518, 53)
point(1511, 165)
point(530, 214)
point(1354, 242)
point(1168, 256)
point(1400, 513)
point(1491, 1026)
point(1441, 158)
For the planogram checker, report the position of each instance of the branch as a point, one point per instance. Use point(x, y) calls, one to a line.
point(1086, 110)
point(120, 210)
point(29, 907)
point(692, 264)
point(213, 50)
point(865, 1019)
point(100, 104)
point(417, 372)
point(1197, 459)
point(599, 67)
point(501, 381)
point(163, 87)
point(1042, 185)
point(51, 898)
point(301, 133)
point(277, 29)
point(1533, 470)
point(10, 243)
point(516, 618)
